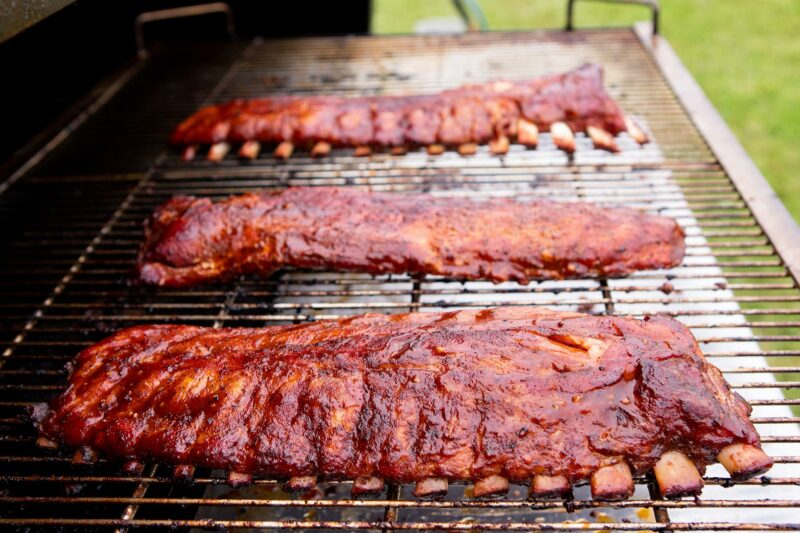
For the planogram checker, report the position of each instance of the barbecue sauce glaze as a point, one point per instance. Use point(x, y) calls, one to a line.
point(190, 241)
point(514, 391)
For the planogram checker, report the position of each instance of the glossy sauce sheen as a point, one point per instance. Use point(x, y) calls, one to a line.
point(514, 391)
point(191, 240)
point(473, 113)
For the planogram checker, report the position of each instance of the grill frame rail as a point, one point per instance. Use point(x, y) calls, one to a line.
point(737, 288)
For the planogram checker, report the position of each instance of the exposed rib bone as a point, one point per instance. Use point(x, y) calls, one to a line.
point(602, 139)
point(435, 149)
point(612, 483)
point(549, 487)
point(47, 444)
point(635, 131)
point(321, 149)
point(430, 487)
point(563, 136)
point(183, 473)
point(468, 149)
point(362, 151)
point(744, 460)
point(301, 483)
point(283, 150)
point(399, 150)
point(677, 476)
point(367, 485)
point(84, 456)
point(527, 132)
point(250, 150)
point(502, 86)
point(189, 152)
point(576, 97)
point(499, 146)
point(218, 151)
point(489, 486)
point(133, 468)
point(238, 480)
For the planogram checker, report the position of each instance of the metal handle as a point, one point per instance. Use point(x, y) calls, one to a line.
point(468, 9)
point(181, 12)
point(652, 4)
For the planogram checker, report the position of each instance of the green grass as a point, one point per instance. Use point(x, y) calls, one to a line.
point(744, 53)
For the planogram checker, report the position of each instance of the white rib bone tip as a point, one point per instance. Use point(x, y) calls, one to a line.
point(301, 483)
point(549, 487)
point(189, 152)
point(602, 139)
point(47, 444)
point(84, 456)
point(563, 136)
point(635, 131)
point(743, 461)
point(367, 485)
point(527, 132)
point(489, 486)
point(612, 483)
point(435, 149)
point(362, 151)
point(677, 475)
point(499, 145)
point(431, 486)
point(321, 149)
point(218, 151)
point(399, 150)
point(133, 467)
point(238, 479)
point(468, 149)
point(250, 150)
point(183, 472)
point(502, 86)
point(284, 150)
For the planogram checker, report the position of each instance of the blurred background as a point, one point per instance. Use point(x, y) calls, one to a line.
point(744, 53)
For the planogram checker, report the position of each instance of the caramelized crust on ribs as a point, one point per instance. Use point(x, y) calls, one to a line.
point(488, 395)
point(191, 240)
point(469, 114)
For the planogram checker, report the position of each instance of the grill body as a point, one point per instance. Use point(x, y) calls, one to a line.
point(72, 217)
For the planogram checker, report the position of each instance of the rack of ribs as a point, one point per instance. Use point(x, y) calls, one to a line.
point(495, 113)
point(496, 396)
point(189, 240)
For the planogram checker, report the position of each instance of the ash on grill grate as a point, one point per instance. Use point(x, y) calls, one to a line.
point(732, 289)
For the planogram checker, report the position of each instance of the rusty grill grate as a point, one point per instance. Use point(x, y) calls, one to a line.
point(73, 224)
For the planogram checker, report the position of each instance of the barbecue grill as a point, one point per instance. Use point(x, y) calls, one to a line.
point(73, 214)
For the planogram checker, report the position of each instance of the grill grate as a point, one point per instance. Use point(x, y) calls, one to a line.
point(77, 224)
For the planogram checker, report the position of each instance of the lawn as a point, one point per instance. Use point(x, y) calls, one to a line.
point(744, 53)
